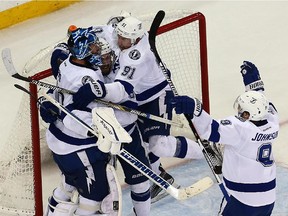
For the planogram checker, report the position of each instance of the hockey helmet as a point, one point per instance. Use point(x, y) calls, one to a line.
point(107, 56)
point(105, 47)
point(253, 102)
point(131, 28)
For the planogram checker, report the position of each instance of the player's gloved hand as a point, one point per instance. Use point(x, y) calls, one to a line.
point(251, 77)
point(187, 105)
point(63, 47)
point(88, 92)
point(114, 20)
point(48, 111)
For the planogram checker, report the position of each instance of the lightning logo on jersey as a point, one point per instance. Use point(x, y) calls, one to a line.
point(134, 54)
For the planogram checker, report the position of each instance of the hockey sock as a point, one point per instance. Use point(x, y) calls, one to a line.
point(140, 194)
point(154, 163)
point(186, 148)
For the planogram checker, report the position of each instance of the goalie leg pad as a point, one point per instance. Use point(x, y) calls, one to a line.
point(58, 207)
point(112, 203)
point(65, 191)
point(87, 207)
point(63, 201)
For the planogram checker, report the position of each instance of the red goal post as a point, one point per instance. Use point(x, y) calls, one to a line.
point(181, 43)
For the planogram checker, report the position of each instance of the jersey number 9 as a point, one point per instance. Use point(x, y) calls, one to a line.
point(264, 155)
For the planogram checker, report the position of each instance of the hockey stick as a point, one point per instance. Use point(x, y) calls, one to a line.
point(7, 60)
point(35, 98)
point(152, 41)
point(179, 194)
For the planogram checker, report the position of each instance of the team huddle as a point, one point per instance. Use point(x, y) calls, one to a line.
point(114, 63)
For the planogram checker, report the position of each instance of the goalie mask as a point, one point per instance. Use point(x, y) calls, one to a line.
point(84, 44)
point(253, 102)
point(130, 28)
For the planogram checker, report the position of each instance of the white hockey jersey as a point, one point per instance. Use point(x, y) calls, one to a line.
point(108, 33)
point(249, 170)
point(67, 136)
point(140, 71)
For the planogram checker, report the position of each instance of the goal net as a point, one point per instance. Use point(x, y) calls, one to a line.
point(181, 43)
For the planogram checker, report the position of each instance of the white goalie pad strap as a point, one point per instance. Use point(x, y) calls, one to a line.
point(106, 123)
point(112, 203)
point(255, 85)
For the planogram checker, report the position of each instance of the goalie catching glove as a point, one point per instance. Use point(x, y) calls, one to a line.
point(187, 105)
point(251, 77)
point(111, 133)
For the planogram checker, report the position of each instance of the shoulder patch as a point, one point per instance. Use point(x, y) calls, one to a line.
point(225, 122)
point(85, 79)
point(134, 54)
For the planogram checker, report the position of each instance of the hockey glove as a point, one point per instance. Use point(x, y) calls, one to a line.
point(251, 77)
point(87, 93)
point(114, 20)
point(48, 111)
point(59, 54)
point(187, 105)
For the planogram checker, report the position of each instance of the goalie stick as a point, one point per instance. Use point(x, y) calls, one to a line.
point(152, 41)
point(179, 194)
point(7, 60)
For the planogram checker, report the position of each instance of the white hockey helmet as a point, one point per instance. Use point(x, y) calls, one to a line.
point(105, 46)
point(253, 102)
point(131, 28)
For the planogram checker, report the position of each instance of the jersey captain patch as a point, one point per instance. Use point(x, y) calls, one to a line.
point(134, 54)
